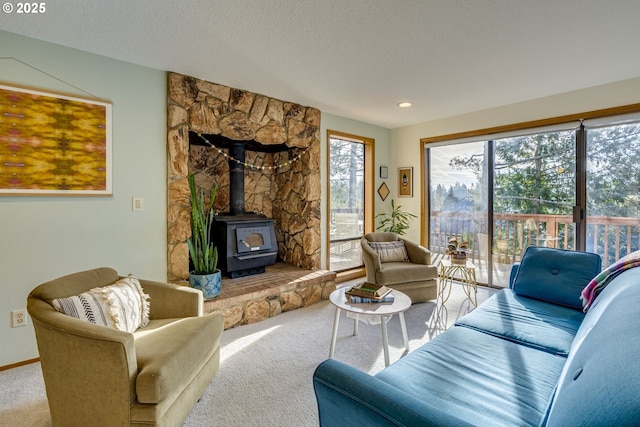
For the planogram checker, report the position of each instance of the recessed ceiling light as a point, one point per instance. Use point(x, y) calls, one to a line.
point(404, 104)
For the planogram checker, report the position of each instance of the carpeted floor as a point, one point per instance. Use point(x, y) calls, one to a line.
point(266, 368)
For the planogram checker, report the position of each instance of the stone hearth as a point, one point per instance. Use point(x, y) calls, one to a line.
point(282, 288)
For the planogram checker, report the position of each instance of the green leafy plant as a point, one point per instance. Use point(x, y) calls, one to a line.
point(457, 249)
point(204, 254)
point(397, 221)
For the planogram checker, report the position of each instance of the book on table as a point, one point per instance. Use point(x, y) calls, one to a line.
point(369, 291)
point(360, 300)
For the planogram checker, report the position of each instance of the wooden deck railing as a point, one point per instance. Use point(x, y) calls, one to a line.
point(609, 237)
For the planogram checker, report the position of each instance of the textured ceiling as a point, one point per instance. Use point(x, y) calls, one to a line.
point(359, 58)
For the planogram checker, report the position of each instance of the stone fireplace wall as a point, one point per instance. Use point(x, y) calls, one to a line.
point(290, 193)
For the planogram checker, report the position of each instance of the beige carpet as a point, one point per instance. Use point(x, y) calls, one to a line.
point(266, 370)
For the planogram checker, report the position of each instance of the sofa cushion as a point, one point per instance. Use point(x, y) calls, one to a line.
point(534, 323)
point(390, 251)
point(484, 380)
point(555, 275)
point(170, 352)
point(600, 383)
point(402, 272)
point(122, 305)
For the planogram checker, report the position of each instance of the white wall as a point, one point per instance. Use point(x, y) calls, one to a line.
point(382, 156)
point(406, 141)
point(42, 238)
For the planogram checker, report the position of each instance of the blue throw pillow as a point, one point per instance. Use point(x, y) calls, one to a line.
point(556, 275)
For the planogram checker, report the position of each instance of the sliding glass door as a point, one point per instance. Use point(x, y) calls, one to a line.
point(532, 182)
point(533, 196)
point(459, 199)
point(574, 187)
point(613, 190)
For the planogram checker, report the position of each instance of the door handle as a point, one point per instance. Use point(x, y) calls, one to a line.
point(578, 214)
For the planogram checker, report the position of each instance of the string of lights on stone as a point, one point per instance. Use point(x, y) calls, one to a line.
point(251, 166)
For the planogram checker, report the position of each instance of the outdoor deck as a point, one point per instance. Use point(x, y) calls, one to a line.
point(609, 237)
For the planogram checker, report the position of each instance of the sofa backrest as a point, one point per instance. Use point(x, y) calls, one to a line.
point(600, 382)
point(555, 275)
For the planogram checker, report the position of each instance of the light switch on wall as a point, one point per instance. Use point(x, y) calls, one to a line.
point(137, 204)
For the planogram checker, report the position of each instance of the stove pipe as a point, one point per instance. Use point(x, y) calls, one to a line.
point(236, 178)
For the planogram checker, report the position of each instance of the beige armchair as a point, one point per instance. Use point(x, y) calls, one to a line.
point(387, 265)
point(100, 376)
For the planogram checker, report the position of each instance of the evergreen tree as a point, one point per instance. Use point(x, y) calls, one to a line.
point(346, 161)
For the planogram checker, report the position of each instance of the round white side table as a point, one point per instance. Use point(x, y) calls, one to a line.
point(400, 304)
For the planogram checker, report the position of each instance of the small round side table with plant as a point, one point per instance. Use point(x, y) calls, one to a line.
point(460, 269)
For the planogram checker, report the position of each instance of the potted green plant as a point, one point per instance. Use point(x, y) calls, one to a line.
point(204, 255)
point(457, 251)
point(397, 221)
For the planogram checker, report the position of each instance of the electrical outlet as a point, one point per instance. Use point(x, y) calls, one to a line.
point(18, 318)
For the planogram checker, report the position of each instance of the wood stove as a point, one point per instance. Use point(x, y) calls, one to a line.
point(246, 241)
point(246, 244)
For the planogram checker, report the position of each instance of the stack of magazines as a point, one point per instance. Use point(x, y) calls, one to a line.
point(369, 293)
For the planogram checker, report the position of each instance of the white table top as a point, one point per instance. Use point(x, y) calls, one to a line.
point(401, 303)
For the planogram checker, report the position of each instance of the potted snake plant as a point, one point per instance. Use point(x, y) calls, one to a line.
point(204, 255)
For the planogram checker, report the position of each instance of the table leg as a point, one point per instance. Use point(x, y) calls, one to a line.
point(403, 325)
point(469, 284)
point(475, 287)
point(445, 284)
point(385, 340)
point(336, 320)
point(355, 325)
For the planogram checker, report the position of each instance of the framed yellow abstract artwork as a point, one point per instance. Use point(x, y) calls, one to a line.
point(53, 144)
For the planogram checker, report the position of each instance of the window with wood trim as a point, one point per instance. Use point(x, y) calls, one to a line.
point(350, 211)
point(570, 184)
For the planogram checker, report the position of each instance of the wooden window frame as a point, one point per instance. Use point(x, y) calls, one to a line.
point(369, 194)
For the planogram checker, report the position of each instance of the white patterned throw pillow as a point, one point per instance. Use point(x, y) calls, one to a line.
point(123, 305)
point(391, 251)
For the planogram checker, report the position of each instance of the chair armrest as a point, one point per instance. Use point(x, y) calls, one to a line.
point(371, 260)
point(89, 369)
point(417, 254)
point(349, 397)
point(170, 301)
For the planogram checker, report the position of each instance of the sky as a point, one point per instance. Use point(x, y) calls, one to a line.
point(442, 173)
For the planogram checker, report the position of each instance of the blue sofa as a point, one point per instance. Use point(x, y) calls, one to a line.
point(528, 356)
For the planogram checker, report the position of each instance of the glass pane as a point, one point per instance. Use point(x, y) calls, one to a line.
point(534, 195)
point(346, 178)
point(613, 191)
point(458, 186)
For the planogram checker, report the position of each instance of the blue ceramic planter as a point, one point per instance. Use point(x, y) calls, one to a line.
point(209, 284)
